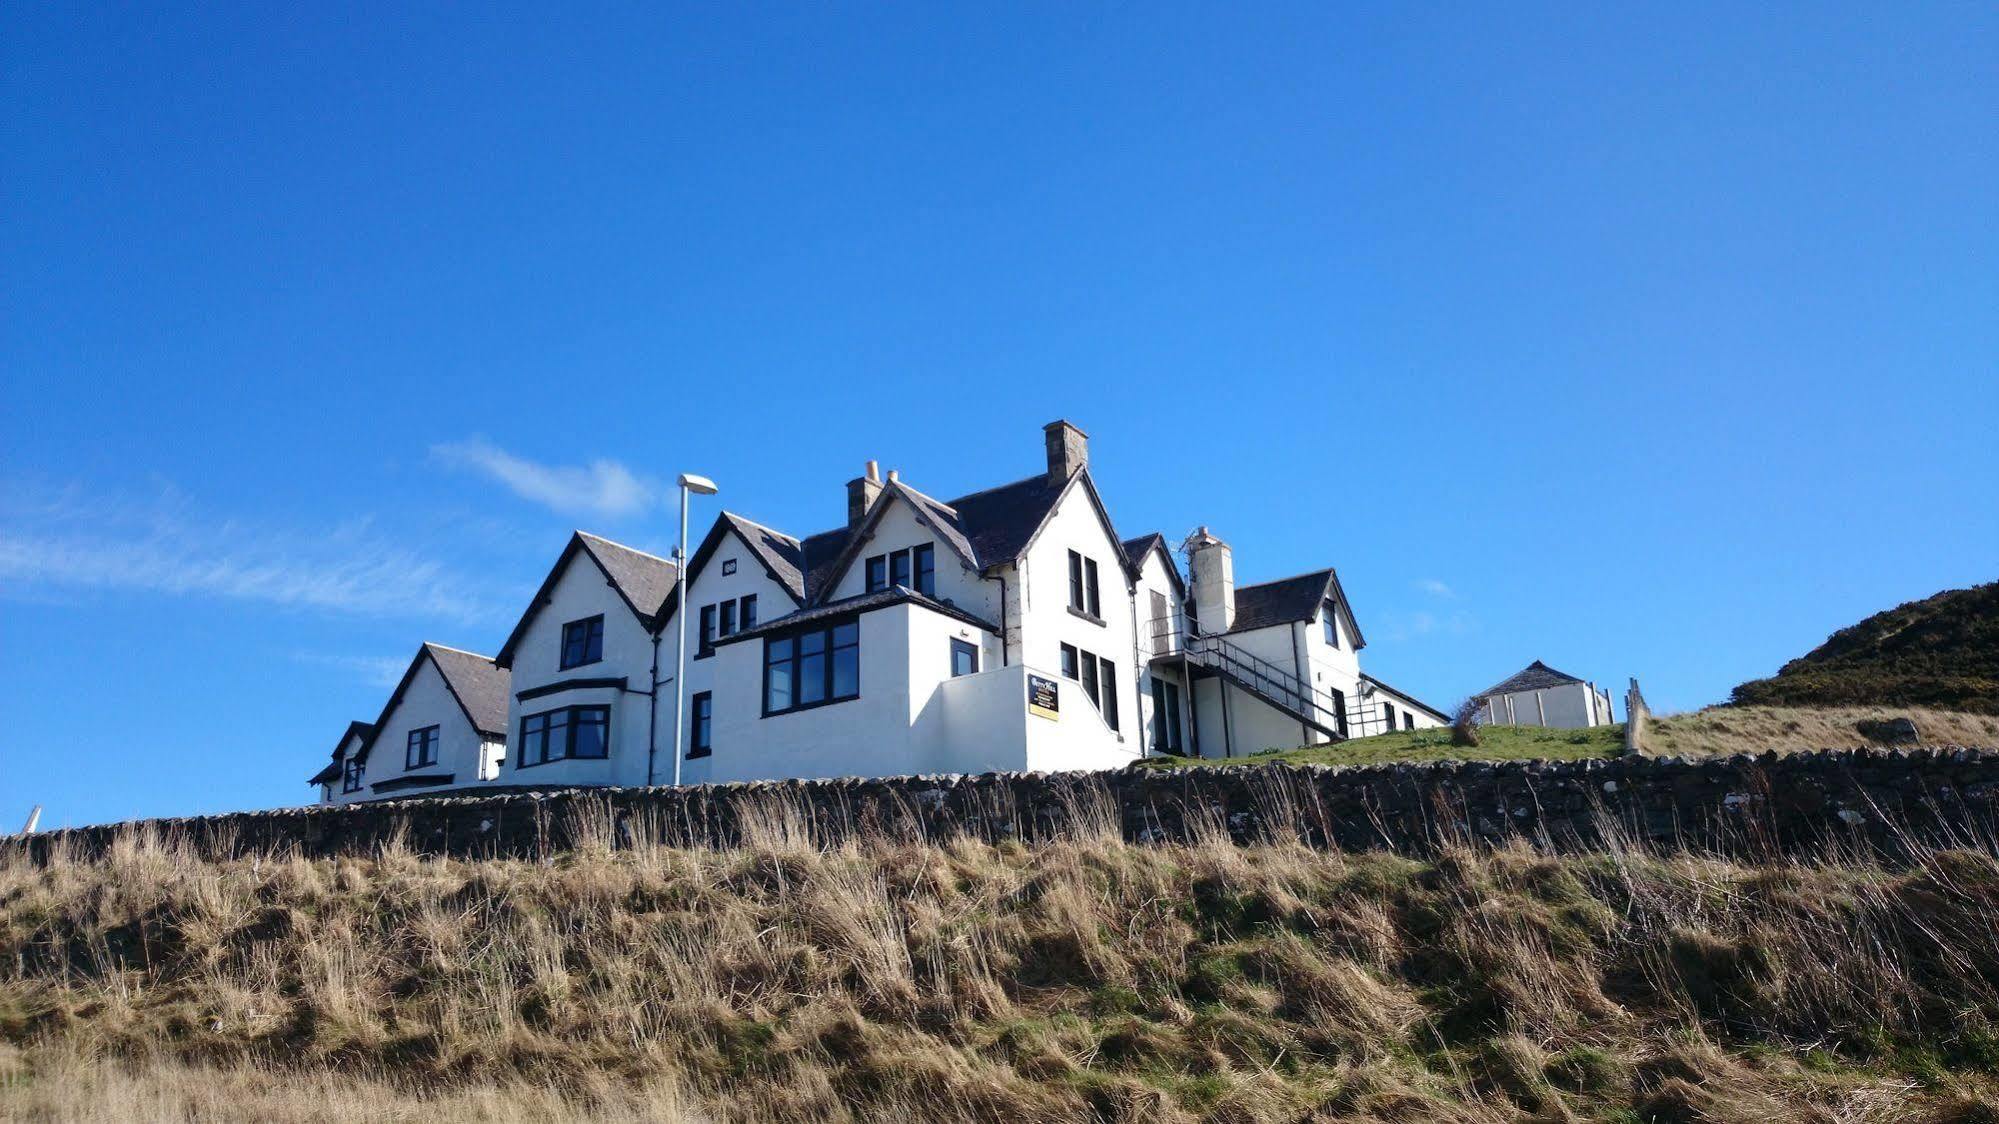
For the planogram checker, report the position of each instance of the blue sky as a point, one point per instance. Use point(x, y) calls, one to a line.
point(1645, 341)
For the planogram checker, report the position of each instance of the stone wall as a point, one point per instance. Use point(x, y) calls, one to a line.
point(1882, 801)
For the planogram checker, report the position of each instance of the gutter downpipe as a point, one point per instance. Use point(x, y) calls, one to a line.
point(652, 713)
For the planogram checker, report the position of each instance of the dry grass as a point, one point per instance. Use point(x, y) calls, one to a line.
point(1082, 979)
point(1757, 729)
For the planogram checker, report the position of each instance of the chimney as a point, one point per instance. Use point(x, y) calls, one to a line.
point(861, 493)
point(1213, 564)
point(1068, 451)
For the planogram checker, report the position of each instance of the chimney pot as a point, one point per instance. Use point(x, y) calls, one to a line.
point(1068, 450)
point(874, 471)
point(894, 474)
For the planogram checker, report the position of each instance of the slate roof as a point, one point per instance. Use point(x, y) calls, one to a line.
point(1534, 677)
point(644, 579)
point(989, 527)
point(1288, 600)
point(480, 684)
point(859, 603)
point(784, 555)
point(644, 582)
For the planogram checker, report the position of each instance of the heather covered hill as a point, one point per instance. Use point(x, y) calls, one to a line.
point(1941, 652)
point(1083, 979)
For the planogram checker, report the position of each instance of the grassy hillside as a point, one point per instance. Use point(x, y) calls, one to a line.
point(1940, 652)
point(1079, 980)
point(1719, 730)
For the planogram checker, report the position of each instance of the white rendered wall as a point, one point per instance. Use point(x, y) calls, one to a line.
point(583, 591)
point(1566, 707)
point(898, 529)
point(1046, 622)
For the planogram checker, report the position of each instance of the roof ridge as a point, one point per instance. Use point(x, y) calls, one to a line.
point(621, 546)
point(460, 651)
point(759, 526)
point(921, 494)
point(997, 487)
point(1289, 578)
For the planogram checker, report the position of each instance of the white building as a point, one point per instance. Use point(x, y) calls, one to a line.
point(444, 726)
point(1008, 629)
point(1538, 695)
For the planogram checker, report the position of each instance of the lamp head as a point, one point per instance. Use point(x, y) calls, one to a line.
point(699, 485)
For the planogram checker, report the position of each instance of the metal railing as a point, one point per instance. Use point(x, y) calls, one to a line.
point(1327, 708)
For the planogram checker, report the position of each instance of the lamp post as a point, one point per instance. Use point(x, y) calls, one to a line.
point(704, 486)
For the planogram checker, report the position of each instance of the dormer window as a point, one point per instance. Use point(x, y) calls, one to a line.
point(422, 749)
point(877, 569)
point(583, 642)
point(1332, 626)
point(912, 567)
point(350, 776)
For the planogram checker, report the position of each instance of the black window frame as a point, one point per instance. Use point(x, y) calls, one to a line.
point(1332, 626)
point(352, 776)
point(923, 568)
point(586, 638)
point(1091, 589)
point(898, 568)
point(1109, 706)
point(1071, 658)
point(725, 622)
point(1076, 581)
point(1388, 714)
point(1166, 730)
point(746, 616)
point(875, 570)
point(700, 724)
point(967, 649)
point(1408, 719)
point(705, 646)
point(728, 566)
point(544, 725)
point(793, 641)
point(427, 738)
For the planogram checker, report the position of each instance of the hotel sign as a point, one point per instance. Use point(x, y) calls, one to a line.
point(1044, 697)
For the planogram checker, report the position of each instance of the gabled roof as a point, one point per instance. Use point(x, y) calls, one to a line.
point(643, 582)
point(477, 683)
point(1136, 550)
point(1000, 522)
point(1534, 677)
point(935, 514)
point(1288, 600)
point(859, 603)
point(361, 730)
point(782, 556)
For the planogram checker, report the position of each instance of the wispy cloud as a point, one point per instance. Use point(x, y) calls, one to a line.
point(1435, 588)
point(602, 487)
point(377, 671)
point(68, 541)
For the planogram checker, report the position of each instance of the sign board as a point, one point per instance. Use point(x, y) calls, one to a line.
point(1044, 697)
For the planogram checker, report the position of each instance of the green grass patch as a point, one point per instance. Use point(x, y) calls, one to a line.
point(1497, 743)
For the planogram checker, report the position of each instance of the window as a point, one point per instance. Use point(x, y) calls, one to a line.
point(707, 629)
point(898, 568)
point(924, 560)
point(1110, 695)
point(1069, 662)
point(700, 724)
point(1083, 593)
point(350, 776)
point(1332, 626)
point(877, 573)
point(1090, 679)
point(422, 749)
point(571, 731)
point(1408, 720)
point(964, 659)
point(728, 625)
point(1340, 713)
point(582, 642)
point(728, 566)
point(1165, 716)
point(749, 612)
point(813, 668)
point(1388, 712)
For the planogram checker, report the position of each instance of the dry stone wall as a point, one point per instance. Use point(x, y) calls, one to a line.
point(1882, 801)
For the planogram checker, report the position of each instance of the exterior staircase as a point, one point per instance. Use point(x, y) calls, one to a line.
point(1324, 710)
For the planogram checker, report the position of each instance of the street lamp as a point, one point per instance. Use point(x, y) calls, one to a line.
point(688, 483)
